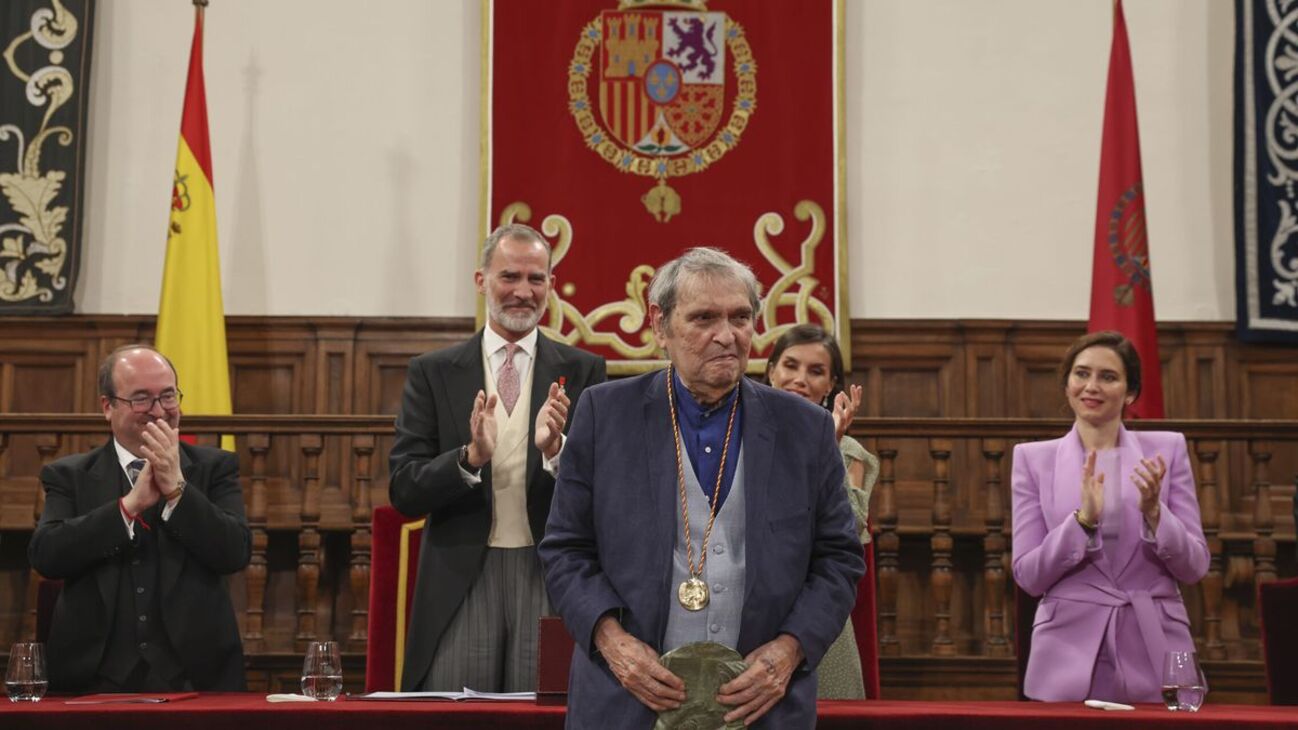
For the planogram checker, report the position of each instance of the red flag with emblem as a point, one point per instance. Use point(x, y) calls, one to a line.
point(1122, 292)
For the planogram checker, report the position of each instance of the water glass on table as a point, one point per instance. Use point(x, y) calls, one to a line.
point(1183, 684)
point(322, 671)
point(25, 679)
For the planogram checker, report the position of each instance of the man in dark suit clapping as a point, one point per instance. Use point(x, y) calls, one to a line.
point(477, 445)
point(141, 530)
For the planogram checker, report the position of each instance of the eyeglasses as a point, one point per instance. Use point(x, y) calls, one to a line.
point(144, 403)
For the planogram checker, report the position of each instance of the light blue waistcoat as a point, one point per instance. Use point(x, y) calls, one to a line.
point(723, 571)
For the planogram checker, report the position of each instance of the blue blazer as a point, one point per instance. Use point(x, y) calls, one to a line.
point(612, 528)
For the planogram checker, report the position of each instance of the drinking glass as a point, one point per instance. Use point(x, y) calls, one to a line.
point(25, 679)
point(322, 671)
point(1183, 683)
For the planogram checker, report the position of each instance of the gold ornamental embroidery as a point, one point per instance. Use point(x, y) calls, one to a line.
point(797, 288)
point(33, 253)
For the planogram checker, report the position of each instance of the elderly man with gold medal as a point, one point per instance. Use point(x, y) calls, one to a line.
point(700, 547)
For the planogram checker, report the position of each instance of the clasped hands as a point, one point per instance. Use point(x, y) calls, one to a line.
point(1148, 478)
point(550, 421)
point(161, 475)
point(752, 694)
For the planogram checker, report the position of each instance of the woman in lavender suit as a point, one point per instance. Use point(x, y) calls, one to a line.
point(1105, 525)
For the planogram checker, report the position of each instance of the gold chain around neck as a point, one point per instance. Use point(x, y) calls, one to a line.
point(680, 476)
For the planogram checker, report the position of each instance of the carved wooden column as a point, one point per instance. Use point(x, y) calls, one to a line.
point(1210, 516)
point(994, 550)
point(363, 451)
point(308, 541)
point(1263, 522)
point(47, 445)
point(887, 545)
point(254, 640)
point(942, 544)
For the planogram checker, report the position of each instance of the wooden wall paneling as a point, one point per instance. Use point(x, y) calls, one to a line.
point(1032, 381)
point(887, 546)
point(1270, 382)
point(334, 387)
point(382, 357)
point(37, 375)
point(383, 354)
point(272, 382)
point(257, 572)
point(1174, 370)
point(919, 387)
point(1270, 388)
point(1208, 393)
point(359, 567)
point(309, 548)
point(916, 610)
point(1263, 523)
point(985, 391)
point(995, 550)
point(942, 544)
point(912, 370)
point(1210, 588)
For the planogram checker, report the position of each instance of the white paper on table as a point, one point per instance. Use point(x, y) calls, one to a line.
point(466, 695)
point(289, 698)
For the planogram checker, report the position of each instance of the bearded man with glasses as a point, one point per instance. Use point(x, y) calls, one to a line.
point(140, 531)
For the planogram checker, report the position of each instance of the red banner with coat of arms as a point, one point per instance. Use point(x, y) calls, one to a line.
point(629, 131)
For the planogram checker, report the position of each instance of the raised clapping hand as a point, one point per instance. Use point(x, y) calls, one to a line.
point(482, 430)
point(161, 472)
point(143, 494)
point(635, 664)
point(1092, 491)
point(845, 408)
point(161, 449)
point(1148, 478)
point(756, 691)
point(550, 421)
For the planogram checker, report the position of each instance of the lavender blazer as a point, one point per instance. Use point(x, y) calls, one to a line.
point(1132, 604)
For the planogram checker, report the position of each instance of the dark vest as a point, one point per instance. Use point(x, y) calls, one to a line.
point(137, 634)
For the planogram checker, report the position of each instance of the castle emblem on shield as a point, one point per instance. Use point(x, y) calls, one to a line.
point(662, 89)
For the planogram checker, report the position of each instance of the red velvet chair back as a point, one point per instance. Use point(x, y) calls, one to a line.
point(1278, 605)
point(394, 562)
point(866, 627)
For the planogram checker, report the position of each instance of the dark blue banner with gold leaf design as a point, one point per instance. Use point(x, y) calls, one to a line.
point(44, 85)
point(1266, 170)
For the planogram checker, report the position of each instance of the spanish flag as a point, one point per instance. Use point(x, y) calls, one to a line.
point(191, 319)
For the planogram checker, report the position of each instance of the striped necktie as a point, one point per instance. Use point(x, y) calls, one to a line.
point(133, 470)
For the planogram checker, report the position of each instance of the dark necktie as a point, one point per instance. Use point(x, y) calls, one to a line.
point(133, 470)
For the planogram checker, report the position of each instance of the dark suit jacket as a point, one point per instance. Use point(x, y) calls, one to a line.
point(82, 540)
point(612, 530)
point(426, 481)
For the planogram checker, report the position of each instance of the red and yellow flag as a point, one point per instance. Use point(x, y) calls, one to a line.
point(191, 318)
point(1122, 290)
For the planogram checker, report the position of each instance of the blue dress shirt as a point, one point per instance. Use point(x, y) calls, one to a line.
point(703, 431)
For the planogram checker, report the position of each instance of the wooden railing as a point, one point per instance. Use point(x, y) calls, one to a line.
point(961, 467)
point(940, 515)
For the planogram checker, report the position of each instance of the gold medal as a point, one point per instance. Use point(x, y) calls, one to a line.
point(693, 594)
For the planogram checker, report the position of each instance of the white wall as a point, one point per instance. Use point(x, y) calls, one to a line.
point(345, 147)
